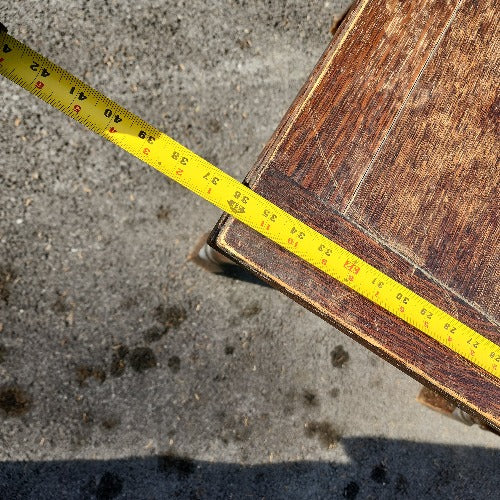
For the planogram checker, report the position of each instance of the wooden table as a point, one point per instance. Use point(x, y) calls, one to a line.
point(390, 149)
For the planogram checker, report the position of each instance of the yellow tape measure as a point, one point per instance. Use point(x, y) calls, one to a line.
point(67, 93)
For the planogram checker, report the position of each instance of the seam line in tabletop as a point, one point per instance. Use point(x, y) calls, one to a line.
point(432, 279)
point(403, 105)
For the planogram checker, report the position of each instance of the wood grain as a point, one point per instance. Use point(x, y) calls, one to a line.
point(445, 202)
point(390, 149)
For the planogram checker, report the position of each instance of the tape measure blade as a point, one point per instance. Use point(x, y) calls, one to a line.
point(81, 102)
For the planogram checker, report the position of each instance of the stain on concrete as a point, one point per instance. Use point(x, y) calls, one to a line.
point(110, 423)
point(214, 126)
point(334, 393)
point(327, 435)
point(87, 418)
point(310, 399)
point(229, 350)
point(153, 334)
point(174, 363)
point(85, 372)
point(7, 277)
point(14, 401)
point(118, 360)
point(3, 353)
point(379, 474)
point(351, 490)
point(339, 357)
point(250, 310)
point(219, 378)
point(110, 486)
point(167, 318)
point(163, 213)
point(170, 317)
point(61, 306)
point(142, 359)
point(402, 485)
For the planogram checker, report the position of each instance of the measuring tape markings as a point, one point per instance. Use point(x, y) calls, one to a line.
point(57, 87)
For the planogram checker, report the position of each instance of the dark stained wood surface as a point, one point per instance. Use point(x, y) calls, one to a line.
point(390, 149)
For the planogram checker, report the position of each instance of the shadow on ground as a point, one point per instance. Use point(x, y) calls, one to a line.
point(403, 470)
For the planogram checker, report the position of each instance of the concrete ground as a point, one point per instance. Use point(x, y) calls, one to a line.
point(125, 370)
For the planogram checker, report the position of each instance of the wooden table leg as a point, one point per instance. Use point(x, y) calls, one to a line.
point(438, 403)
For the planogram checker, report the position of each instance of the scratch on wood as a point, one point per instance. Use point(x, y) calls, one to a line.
point(403, 105)
point(310, 93)
point(320, 147)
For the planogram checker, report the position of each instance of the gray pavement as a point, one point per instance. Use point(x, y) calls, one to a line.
point(125, 370)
